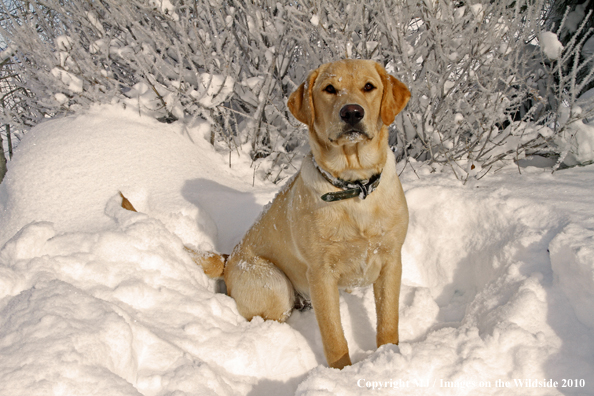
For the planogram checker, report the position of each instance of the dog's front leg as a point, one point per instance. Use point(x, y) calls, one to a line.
point(386, 290)
point(325, 300)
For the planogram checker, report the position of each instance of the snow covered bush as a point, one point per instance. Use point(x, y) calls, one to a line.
point(572, 68)
point(484, 92)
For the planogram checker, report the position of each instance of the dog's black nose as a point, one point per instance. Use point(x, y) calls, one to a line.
point(352, 113)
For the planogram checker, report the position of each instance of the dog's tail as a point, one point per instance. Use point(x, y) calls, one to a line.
point(212, 264)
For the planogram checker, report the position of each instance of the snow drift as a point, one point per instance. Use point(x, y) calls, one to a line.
point(497, 284)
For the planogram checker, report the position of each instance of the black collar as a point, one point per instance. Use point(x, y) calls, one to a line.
point(350, 189)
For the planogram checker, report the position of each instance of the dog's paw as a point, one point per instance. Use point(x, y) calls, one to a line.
point(302, 303)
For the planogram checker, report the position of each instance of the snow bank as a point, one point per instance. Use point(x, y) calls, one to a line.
point(127, 312)
point(482, 258)
point(497, 278)
point(572, 257)
point(98, 300)
point(66, 170)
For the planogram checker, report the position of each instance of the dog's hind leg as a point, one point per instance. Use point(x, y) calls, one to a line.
point(259, 288)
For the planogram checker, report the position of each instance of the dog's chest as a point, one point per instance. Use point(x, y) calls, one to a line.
point(360, 267)
point(369, 220)
point(360, 243)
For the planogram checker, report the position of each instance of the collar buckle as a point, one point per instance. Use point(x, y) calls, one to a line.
point(350, 189)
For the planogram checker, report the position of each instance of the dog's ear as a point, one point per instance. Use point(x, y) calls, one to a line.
point(301, 101)
point(394, 98)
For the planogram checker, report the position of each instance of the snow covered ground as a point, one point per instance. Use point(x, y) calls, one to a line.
point(498, 283)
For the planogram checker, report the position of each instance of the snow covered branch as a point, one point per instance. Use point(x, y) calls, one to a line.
point(487, 86)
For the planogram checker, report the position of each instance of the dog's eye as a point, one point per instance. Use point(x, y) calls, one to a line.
point(368, 87)
point(330, 89)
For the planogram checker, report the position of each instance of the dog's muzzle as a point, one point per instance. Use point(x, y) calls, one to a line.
point(352, 130)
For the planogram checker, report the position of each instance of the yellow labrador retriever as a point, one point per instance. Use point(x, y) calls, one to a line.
point(340, 222)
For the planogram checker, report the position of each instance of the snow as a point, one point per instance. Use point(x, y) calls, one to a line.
point(577, 138)
point(73, 83)
point(64, 43)
point(7, 52)
point(92, 17)
point(571, 257)
point(551, 46)
point(214, 89)
point(477, 10)
point(165, 7)
point(60, 97)
point(498, 277)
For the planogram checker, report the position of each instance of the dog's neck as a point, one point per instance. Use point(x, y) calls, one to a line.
point(352, 162)
point(349, 189)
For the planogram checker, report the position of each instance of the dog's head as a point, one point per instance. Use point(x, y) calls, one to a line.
point(348, 102)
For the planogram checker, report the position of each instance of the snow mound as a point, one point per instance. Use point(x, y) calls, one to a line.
point(68, 169)
point(572, 257)
point(127, 312)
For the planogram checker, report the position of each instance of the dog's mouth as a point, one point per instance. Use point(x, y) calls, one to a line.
point(351, 136)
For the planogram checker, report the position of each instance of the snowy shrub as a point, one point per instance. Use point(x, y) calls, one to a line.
point(573, 71)
point(484, 91)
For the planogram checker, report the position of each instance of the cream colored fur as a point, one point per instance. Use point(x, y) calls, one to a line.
point(305, 245)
